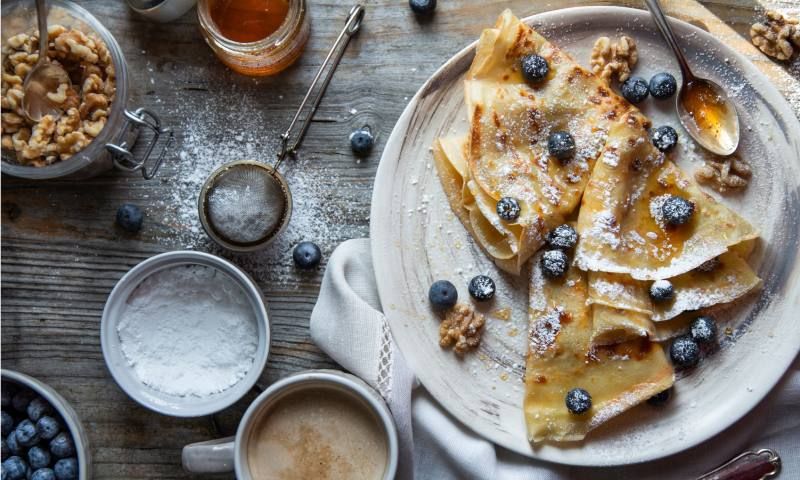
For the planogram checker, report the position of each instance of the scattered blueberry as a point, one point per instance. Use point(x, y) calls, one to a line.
point(21, 400)
point(662, 291)
point(15, 468)
point(664, 138)
point(6, 452)
point(660, 398)
point(362, 141)
point(130, 217)
point(422, 7)
point(6, 423)
point(508, 209)
point(562, 237)
point(44, 474)
point(676, 210)
point(561, 145)
point(534, 68)
point(554, 263)
point(66, 469)
point(307, 255)
point(703, 329)
point(13, 446)
point(663, 86)
point(443, 294)
point(709, 265)
point(48, 427)
point(634, 89)
point(38, 408)
point(684, 352)
point(26, 433)
point(38, 457)
point(578, 401)
point(62, 445)
point(482, 288)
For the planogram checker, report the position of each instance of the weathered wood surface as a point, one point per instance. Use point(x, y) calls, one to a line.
point(61, 254)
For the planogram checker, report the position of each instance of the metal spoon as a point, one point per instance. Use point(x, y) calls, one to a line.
point(703, 107)
point(44, 78)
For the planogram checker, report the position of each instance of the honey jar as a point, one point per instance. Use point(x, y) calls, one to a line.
point(255, 37)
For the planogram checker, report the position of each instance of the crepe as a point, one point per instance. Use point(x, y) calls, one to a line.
point(561, 357)
point(618, 223)
point(506, 150)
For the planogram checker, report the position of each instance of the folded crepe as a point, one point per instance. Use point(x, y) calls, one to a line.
point(561, 357)
point(619, 222)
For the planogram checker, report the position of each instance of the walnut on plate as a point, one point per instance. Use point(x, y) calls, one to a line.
point(724, 174)
point(614, 59)
point(778, 36)
point(461, 329)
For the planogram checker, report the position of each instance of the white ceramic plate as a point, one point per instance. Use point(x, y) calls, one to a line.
point(417, 239)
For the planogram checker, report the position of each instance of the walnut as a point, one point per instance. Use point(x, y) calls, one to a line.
point(11, 122)
point(778, 36)
point(610, 59)
point(69, 122)
point(8, 142)
point(724, 174)
point(60, 95)
point(78, 44)
point(461, 329)
point(92, 128)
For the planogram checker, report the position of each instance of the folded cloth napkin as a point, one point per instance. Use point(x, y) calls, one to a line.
point(347, 323)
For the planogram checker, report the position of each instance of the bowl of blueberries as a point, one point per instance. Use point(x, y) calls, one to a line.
point(42, 438)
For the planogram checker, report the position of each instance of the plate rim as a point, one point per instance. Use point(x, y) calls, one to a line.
point(386, 165)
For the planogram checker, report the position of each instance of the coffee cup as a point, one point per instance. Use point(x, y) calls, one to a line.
point(316, 424)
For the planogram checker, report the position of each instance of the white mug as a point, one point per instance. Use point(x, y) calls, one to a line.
point(230, 454)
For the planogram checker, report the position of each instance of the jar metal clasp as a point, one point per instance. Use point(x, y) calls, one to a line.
point(123, 157)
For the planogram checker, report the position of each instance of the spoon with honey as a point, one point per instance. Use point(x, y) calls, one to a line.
point(703, 106)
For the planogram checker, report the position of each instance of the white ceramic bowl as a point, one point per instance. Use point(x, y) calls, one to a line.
point(160, 402)
point(66, 412)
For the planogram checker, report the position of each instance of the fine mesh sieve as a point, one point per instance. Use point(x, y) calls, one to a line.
point(245, 204)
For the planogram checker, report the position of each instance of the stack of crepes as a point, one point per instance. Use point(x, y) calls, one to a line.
point(596, 328)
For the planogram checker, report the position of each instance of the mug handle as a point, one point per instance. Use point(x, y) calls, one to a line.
point(212, 456)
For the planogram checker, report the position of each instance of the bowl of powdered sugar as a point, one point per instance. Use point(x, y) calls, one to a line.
point(185, 333)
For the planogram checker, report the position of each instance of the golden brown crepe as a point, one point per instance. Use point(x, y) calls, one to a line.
point(618, 223)
point(561, 357)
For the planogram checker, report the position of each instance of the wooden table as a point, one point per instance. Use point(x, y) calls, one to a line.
point(62, 254)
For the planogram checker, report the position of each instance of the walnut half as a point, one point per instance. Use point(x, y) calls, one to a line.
point(728, 173)
point(461, 329)
point(778, 36)
point(610, 59)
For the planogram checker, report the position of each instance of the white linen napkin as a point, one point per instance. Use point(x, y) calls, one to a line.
point(347, 323)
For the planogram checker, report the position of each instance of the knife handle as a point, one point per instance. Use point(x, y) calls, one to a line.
point(764, 463)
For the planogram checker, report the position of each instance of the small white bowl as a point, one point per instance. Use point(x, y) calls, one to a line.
point(123, 374)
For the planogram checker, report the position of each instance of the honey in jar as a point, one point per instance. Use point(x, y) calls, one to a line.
point(255, 37)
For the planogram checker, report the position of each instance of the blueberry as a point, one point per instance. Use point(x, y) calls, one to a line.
point(709, 265)
point(634, 89)
point(676, 210)
point(26, 433)
point(482, 288)
point(6, 452)
point(48, 427)
point(578, 401)
point(38, 408)
point(703, 329)
point(44, 474)
point(21, 400)
point(562, 237)
point(561, 145)
point(15, 468)
point(554, 263)
point(130, 217)
point(362, 141)
point(422, 7)
point(508, 209)
point(534, 68)
point(66, 469)
point(443, 294)
point(38, 457)
point(664, 138)
point(663, 86)
point(662, 291)
point(684, 352)
point(6, 423)
point(307, 255)
point(660, 398)
point(62, 445)
point(13, 446)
